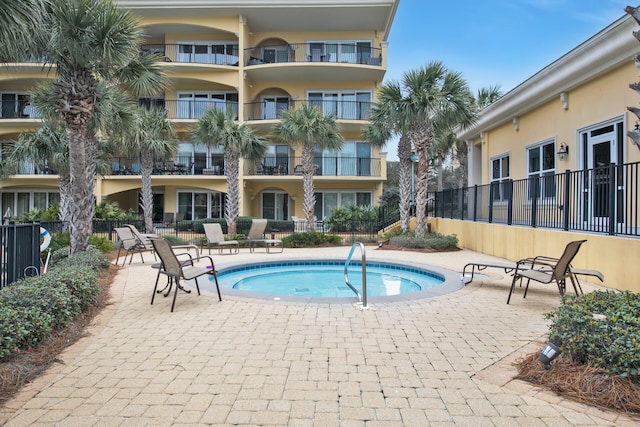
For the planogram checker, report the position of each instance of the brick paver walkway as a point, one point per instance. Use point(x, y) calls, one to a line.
point(431, 362)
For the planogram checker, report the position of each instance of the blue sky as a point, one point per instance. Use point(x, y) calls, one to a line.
point(492, 42)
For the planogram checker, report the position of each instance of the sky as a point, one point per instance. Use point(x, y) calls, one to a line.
point(492, 42)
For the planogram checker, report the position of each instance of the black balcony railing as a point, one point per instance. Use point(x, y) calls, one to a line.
point(346, 53)
point(18, 109)
point(325, 166)
point(275, 166)
point(600, 200)
point(187, 108)
point(194, 53)
point(342, 110)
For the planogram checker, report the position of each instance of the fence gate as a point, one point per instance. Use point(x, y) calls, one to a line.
point(19, 250)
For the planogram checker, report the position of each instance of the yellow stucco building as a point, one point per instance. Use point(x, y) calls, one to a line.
point(551, 162)
point(259, 58)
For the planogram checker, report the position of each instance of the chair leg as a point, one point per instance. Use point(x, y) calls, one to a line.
point(118, 257)
point(175, 294)
point(526, 288)
point(513, 285)
point(155, 288)
point(576, 284)
point(215, 278)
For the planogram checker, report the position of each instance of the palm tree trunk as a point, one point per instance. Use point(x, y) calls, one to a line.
point(146, 169)
point(81, 194)
point(422, 136)
point(404, 181)
point(232, 205)
point(64, 182)
point(309, 203)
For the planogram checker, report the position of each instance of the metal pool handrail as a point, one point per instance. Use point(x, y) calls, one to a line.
point(361, 297)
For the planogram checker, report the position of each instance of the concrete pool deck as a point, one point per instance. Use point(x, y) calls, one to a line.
point(439, 361)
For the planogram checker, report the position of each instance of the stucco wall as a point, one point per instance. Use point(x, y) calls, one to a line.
point(616, 257)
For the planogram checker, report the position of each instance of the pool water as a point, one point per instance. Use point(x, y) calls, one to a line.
point(326, 279)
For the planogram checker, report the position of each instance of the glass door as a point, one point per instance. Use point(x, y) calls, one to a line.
point(601, 152)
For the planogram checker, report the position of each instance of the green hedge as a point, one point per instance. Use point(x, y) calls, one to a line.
point(601, 328)
point(431, 241)
point(310, 238)
point(33, 307)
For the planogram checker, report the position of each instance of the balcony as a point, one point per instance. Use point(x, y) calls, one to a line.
point(343, 110)
point(342, 53)
point(188, 109)
point(314, 62)
point(19, 108)
point(283, 166)
point(325, 166)
point(194, 54)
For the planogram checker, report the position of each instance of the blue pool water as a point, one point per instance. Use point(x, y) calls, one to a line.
point(326, 278)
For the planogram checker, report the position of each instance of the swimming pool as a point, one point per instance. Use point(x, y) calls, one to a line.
point(324, 280)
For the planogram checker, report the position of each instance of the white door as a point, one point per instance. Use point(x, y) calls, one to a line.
point(602, 151)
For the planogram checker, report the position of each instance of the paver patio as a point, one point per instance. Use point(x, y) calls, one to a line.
point(438, 361)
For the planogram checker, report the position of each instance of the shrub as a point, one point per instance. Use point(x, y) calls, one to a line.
point(21, 328)
point(602, 329)
point(31, 308)
point(433, 241)
point(92, 258)
point(310, 238)
point(63, 241)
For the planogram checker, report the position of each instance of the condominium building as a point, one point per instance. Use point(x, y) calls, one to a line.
point(259, 58)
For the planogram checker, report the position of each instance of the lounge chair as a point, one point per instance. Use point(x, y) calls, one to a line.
point(129, 244)
point(546, 270)
point(143, 239)
point(215, 237)
point(256, 236)
point(175, 269)
point(508, 267)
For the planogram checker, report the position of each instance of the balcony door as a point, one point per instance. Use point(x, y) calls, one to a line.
point(603, 186)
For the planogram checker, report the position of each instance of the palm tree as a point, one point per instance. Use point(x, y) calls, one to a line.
point(220, 129)
point(153, 137)
point(431, 101)
point(385, 124)
point(88, 41)
point(21, 22)
point(308, 126)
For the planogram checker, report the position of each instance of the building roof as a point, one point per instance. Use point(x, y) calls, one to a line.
point(282, 15)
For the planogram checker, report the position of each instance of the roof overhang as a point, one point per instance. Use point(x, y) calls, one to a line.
point(607, 50)
point(281, 15)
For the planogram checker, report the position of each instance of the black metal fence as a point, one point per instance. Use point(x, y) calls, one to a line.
point(19, 252)
point(600, 200)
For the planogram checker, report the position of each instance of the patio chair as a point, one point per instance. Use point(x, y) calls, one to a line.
point(256, 236)
point(129, 244)
point(175, 269)
point(143, 239)
point(547, 270)
point(167, 219)
point(215, 237)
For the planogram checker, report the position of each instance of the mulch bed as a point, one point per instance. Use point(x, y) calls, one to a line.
point(582, 383)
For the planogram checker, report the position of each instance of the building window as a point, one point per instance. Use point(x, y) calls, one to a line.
point(500, 177)
point(541, 170)
point(200, 205)
point(275, 205)
point(193, 105)
point(353, 159)
point(219, 53)
point(345, 105)
point(328, 200)
point(25, 201)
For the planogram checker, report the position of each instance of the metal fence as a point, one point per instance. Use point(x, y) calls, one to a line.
point(600, 200)
point(19, 252)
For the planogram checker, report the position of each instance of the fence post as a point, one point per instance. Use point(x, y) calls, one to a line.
point(461, 203)
point(567, 189)
point(491, 191)
point(510, 202)
point(534, 202)
point(475, 203)
point(612, 198)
